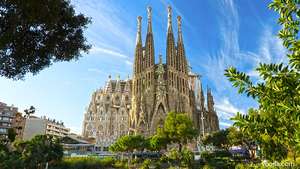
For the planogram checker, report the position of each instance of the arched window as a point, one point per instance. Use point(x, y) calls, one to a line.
point(161, 123)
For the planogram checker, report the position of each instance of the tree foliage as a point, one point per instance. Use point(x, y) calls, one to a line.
point(217, 138)
point(36, 33)
point(34, 153)
point(11, 134)
point(40, 150)
point(158, 142)
point(179, 128)
point(29, 112)
point(128, 143)
point(275, 124)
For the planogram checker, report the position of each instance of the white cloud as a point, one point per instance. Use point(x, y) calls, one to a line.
point(227, 108)
point(253, 73)
point(107, 51)
point(229, 53)
point(129, 63)
point(96, 70)
point(223, 124)
point(166, 3)
point(75, 129)
point(109, 23)
point(271, 49)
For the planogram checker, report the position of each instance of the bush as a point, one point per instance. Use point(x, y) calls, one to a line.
point(224, 163)
point(187, 158)
point(222, 153)
point(85, 163)
point(121, 164)
point(207, 166)
point(146, 164)
point(274, 165)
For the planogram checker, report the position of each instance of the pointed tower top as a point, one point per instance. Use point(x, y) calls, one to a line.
point(139, 30)
point(189, 67)
point(208, 90)
point(210, 100)
point(169, 19)
point(200, 95)
point(160, 59)
point(179, 29)
point(118, 77)
point(179, 23)
point(149, 15)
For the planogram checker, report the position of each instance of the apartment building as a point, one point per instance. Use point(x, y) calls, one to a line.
point(39, 126)
point(18, 124)
point(7, 114)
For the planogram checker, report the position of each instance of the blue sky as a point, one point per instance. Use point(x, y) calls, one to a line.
point(217, 34)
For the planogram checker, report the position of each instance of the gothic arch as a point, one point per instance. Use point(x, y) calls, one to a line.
point(158, 117)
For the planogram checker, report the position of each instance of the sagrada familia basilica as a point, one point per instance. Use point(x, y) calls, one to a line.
point(141, 104)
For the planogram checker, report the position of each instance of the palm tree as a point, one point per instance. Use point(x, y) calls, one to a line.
point(29, 111)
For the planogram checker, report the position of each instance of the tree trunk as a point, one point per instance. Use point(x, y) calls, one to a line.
point(294, 155)
point(180, 147)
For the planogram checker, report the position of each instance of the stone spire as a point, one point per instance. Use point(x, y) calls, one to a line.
point(180, 40)
point(171, 61)
point(200, 95)
point(181, 60)
point(139, 31)
point(138, 48)
point(149, 58)
point(170, 19)
point(118, 83)
point(210, 101)
point(149, 17)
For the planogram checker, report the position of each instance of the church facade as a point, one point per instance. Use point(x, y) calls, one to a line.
point(140, 104)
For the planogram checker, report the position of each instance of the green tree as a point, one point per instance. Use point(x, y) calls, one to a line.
point(178, 128)
point(129, 143)
point(218, 139)
point(11, 134)
point(29, 112)
point(158, 142)
point(275, 124)
point(34, 153)
point(238, 138)
point(34, 34)
point(40, 150)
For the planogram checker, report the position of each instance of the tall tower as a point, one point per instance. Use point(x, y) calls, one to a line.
point(212, 118)
point(171, 51)
point(181, 61)
point(149, 46)
point(136, 81)
point(200, 96)
point(138, 47)
point(210, 101)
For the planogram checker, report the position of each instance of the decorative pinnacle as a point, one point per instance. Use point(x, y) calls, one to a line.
point(179, 23)
point(169, 17)
point(139, 23)
point(139, 30)
point(149, 13)
point(160, 59)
